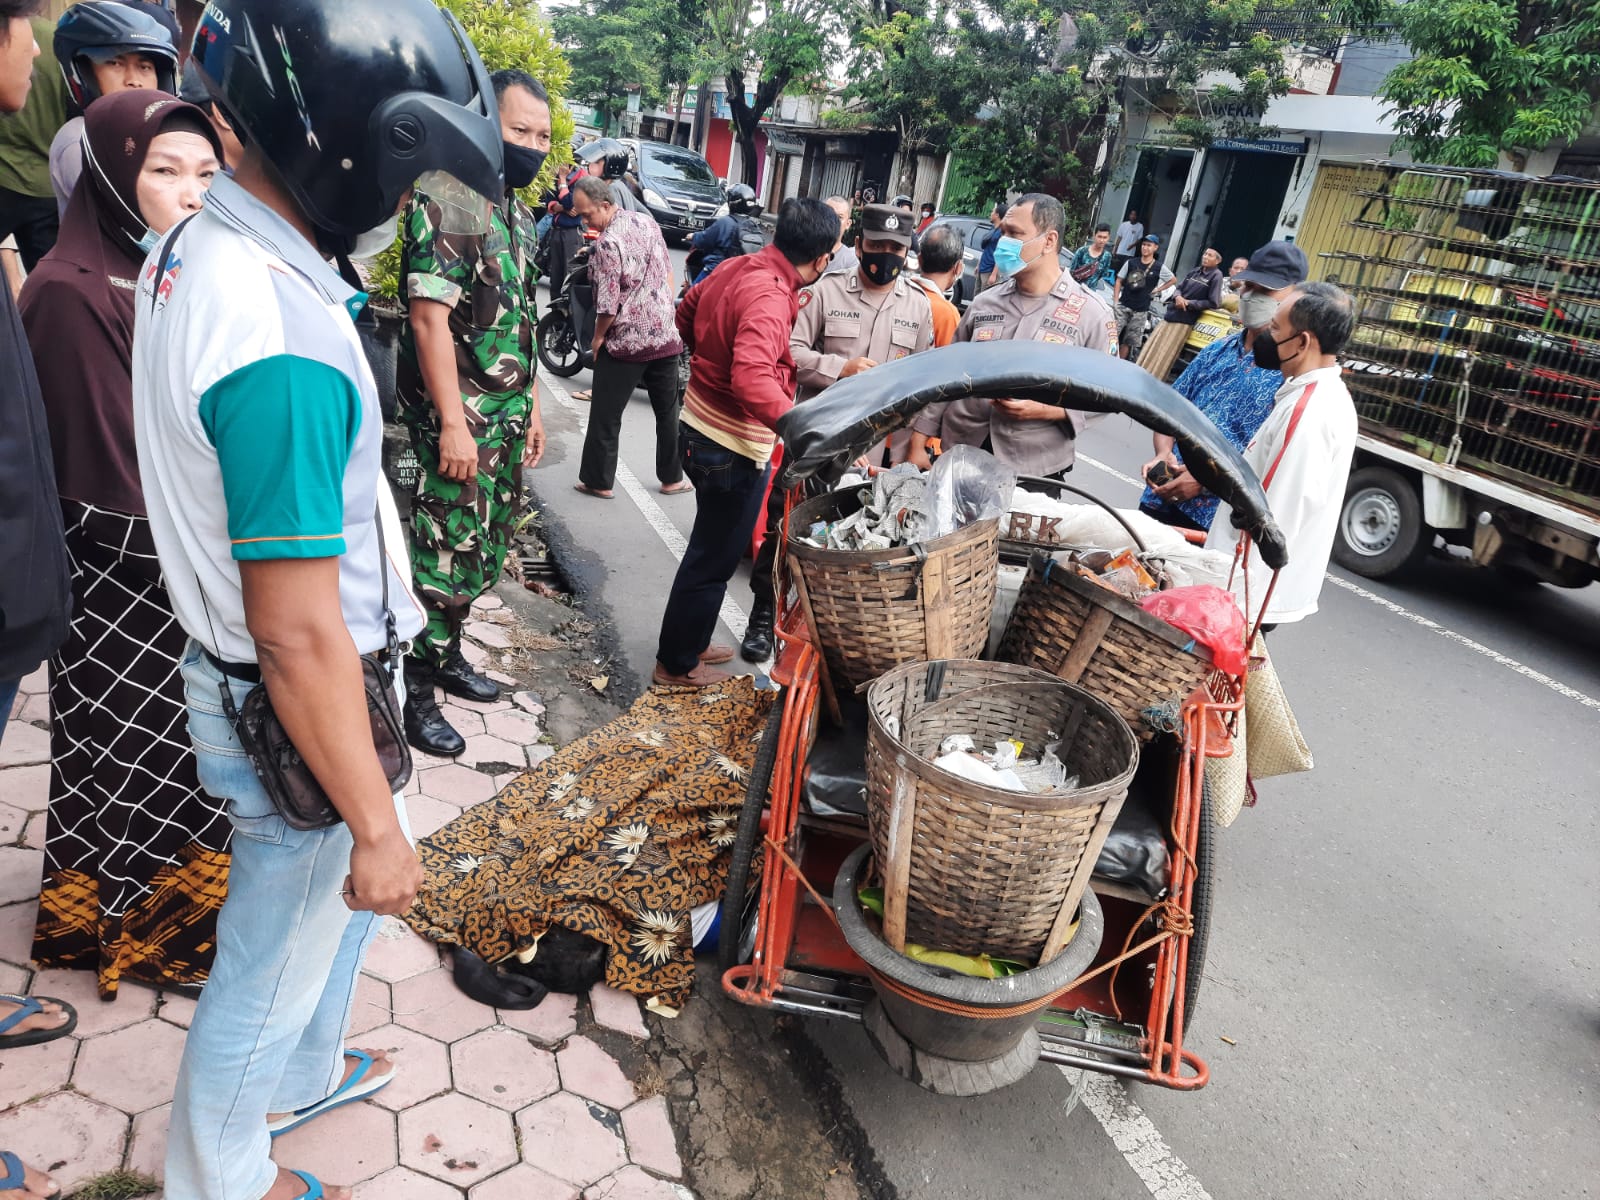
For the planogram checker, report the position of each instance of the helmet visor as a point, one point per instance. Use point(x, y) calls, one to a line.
point(462, 208)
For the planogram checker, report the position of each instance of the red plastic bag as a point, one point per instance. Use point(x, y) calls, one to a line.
point(1208, 614)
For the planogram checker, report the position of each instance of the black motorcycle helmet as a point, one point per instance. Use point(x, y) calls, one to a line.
point(611, 152)
point(742, 200)
point(100, 30)
point(901, 201)
point(353, 102)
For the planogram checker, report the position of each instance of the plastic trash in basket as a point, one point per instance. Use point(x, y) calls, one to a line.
point(966, 484)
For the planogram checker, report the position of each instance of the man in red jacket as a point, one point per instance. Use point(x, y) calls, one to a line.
point(736, 325)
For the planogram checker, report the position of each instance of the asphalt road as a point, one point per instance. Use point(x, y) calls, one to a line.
point(1406, 951)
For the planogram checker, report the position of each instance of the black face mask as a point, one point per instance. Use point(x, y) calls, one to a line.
point(522, 164)
point(882, 269)
point(1265, 351)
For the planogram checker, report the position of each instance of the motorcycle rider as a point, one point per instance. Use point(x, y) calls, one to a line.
point(735, 233)
point(607, 159)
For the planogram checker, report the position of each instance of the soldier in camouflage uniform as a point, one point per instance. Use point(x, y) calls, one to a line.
point(469, 397)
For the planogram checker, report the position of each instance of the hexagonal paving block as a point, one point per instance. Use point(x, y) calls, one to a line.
point(177, 1009)
point(647, 1126)
point(33, 838)
point(457, 785)
point(35, 1070)
point(133, 1068)
point(590, 1071)
point(487, 602)
point(84, 1137)
point(523, 1182)
point(553, 1022)
point(571, 1138)
point(431, 1004)
point(345, 1146)
point(428, 816)
point(14, 980)
point(631, 1183)
point(488, 634)
point(502, 1067)
point(403, 1183)
point(397, 953)
point(457, 1139)
point(513, 727)
point(134, 1002)
point(12, 821)
point(372, 1007)
point(467, 723)
point(35, 684)
point(617, 1010)
point(483, 749)
point(147, 1149)
point(16, 931)
point(24, 745)
point(421, 1065)
point(21, 870)
point(27, 788)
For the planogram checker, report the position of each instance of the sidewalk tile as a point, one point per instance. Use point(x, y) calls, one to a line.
point(27, 788)
point(402, 1183)
point(529, 703)
point(431, 1004)
point(84, 1137)
point(345, 1146)
point(22, 870)
point(487, 602)
point(373, 1006)
point(483, 749)
point(487, 633)
point(37, 684)
point(502, 1067)
point(421, 1065)
point(177, 1008)
point(14, 980)
point(16, 931)
point(33, 839)
point(617, 1010)
point(523, 1182)
point(631, 1183)
point(590, 1071)
point(24, 745)
point(467, 723)
point(397, 953)
point(565, 1136)
point(132, 1069)
point(35, 1070)
point(651, 1142)
point(457, 1139)
point(32, 708)
point(133, 1004)
point(514, 727)
point(457, 785)
point(428, 816)
point(12, 823)
point(537, 754)
point(553, 1022)
point(147, 1149)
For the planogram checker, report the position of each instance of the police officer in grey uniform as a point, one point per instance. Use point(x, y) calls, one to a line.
point(1038, 301)
point(849, 322)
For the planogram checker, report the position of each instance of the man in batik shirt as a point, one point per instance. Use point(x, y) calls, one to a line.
point(469, 397)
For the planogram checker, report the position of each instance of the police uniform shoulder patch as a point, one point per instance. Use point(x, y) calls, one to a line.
point(805, 299)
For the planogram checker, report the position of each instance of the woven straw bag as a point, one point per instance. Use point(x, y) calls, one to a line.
point(1275, 746)
point(1227, 779)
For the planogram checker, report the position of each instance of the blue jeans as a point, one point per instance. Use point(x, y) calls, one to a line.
point(8, 697)
point(728, 489)
point(268, 1035)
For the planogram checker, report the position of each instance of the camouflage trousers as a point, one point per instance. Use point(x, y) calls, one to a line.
point(460, 532)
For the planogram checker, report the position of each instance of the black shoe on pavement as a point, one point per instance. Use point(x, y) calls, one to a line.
point(758, 639)
point(426, 728)
point(457, 678)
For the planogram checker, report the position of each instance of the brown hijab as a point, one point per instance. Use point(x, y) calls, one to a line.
point(77, 305)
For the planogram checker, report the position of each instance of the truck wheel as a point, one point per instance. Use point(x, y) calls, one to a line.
point(1380, 526)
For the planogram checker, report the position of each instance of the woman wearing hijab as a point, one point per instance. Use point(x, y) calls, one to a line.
point(135, 853)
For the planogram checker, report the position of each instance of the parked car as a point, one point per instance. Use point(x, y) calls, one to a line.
point(973, 231)
point(679, 187)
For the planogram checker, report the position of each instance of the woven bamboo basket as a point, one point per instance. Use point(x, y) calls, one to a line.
point(1089, 635)
point(874, 609)
point(977, 869)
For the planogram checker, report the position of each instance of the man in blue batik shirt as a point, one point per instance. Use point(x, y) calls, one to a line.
point(1230, 383)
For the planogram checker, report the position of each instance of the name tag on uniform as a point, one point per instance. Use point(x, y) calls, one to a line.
point(988, 327)
point(841, 327)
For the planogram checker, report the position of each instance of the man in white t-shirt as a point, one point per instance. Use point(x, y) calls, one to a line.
point(1127, 241)
point(1302, 451)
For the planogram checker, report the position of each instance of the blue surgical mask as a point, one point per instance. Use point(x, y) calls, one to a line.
point(149, 241)
point(1008, 255)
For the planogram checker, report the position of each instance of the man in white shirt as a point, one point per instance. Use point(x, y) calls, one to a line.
point(1302, 451)
point(1128, 236)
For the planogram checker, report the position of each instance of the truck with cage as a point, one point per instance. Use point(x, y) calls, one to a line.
point(1475, 369)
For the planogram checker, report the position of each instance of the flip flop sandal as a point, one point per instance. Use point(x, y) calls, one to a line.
point(357, 1087)
point(595, 492)
point(31, 1006)
point(677, 489)
point(16, 1175)
point(586, 395)
point(313, 1186)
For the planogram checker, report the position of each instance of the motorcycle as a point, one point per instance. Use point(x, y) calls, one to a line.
point(565, 334)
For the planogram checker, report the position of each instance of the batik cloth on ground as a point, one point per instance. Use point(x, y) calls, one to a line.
point(136, 855)
point(617, 836)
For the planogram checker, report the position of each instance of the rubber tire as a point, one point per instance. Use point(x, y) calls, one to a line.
point(1205, 884)
point(1412, 544)
point(552, 327)
point(730, 931)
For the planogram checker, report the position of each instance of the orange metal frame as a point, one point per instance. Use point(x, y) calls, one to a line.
point(794, 935)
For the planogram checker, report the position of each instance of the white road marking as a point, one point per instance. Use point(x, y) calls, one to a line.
point(1162, 1172)
point(733, 616)
point(1461, 639)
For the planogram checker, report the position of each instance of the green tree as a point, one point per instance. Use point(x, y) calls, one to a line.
point(1493, 77)
point(613, 45)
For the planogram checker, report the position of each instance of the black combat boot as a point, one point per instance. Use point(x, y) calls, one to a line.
point(758, 638)
point(426, 728)
point(456, 676)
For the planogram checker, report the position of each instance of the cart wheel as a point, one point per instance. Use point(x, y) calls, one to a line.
point(1205, 861)
point(738, 902)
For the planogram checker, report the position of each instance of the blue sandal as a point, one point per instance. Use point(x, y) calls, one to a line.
point(357, 1087)
point(313, 1187)
point(29, 1006)
point(16, 1176)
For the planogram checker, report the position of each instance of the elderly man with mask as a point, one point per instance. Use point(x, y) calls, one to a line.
point(1038, 302)
point(1228, 383)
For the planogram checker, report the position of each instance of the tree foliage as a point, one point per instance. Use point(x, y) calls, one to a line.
point(1493, 77)
point(613, 45)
